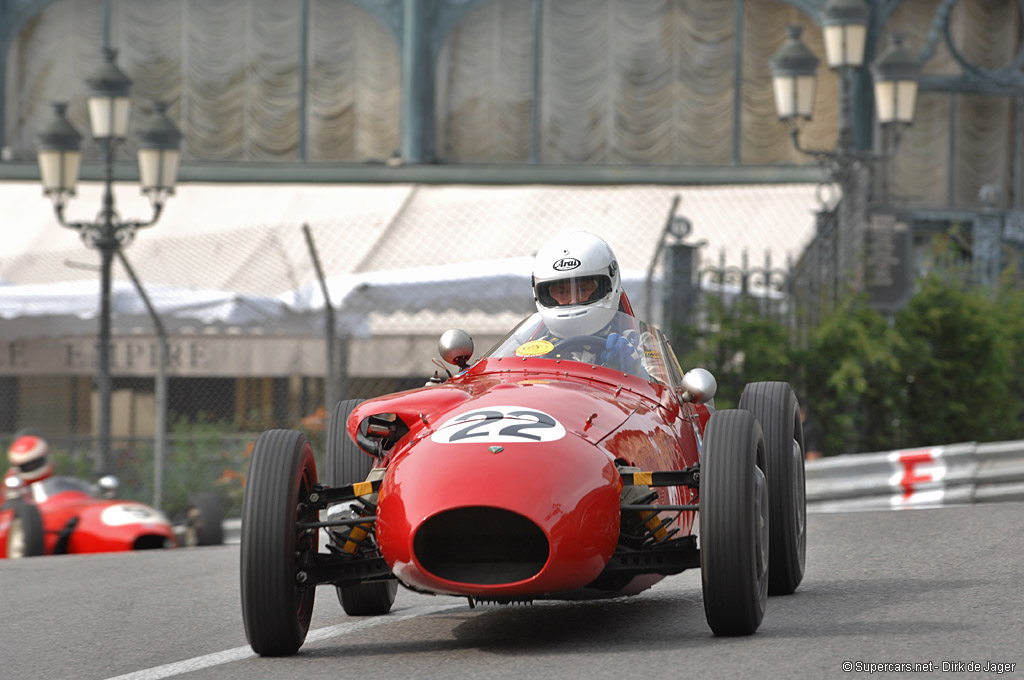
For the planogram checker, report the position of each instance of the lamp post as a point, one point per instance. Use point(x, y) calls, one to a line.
point(794, 66)
point(59, 161)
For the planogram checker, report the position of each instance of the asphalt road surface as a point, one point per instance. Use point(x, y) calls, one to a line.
point(943, 587)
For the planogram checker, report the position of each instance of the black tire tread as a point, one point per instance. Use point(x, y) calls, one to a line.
point(209, 529)
point(347, 464)
point(776, 408)
point(31, 526)
point(732, 599)
point(270, 599)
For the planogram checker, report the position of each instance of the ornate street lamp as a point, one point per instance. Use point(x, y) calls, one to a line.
point(895, 74)
point(59, 159)
point(159, 143)
point(109, 103)
point(845, 27)
point(794, 77)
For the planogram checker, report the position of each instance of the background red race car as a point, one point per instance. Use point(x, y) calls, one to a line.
point(535, 473)
point(66, 515)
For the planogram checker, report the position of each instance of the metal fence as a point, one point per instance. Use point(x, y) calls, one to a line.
point(256, 360)
point(815, 278)
point(246, 329)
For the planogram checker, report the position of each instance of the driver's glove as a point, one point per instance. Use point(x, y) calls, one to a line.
point(620, 353)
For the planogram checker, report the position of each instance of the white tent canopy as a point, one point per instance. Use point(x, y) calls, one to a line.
point(494, 286)
point(402, 261)
point(482, 286)
point(488, 287)
point(64, 307)
point(248, 238)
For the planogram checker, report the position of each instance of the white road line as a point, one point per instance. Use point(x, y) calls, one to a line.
point(238, 653)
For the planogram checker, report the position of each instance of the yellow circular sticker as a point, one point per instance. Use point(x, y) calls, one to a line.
point(534, 348)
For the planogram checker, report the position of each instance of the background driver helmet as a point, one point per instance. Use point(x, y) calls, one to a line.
point(29, 455)
point(576, 284)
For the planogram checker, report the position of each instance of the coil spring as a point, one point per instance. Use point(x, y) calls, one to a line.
point(651, 529)
point(355, 539)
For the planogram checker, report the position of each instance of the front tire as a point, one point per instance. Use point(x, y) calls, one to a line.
point(25, 534)
point(347, 464)
point(777, 410)
point(276, 610)
point(734, 523)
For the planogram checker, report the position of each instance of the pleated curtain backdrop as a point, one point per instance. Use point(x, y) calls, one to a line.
point(650, 82)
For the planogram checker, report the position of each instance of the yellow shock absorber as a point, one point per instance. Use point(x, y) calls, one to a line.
point(359, 532)
point(355, 536)
point(651, 521)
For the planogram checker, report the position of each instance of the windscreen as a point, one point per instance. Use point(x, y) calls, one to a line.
point(625, 344)
point(51, 486)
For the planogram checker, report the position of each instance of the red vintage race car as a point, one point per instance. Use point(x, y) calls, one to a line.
point(66, 515)
point(535, 473)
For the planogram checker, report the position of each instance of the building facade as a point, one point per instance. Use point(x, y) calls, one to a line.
point(273, 94)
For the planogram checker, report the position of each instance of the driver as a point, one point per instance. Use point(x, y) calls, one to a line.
point(29, 456)
point(578, 290)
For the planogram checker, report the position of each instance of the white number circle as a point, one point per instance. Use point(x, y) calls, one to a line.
point(505, 424)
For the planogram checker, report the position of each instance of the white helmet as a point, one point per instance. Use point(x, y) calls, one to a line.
point(29, 455)
point(576, 284)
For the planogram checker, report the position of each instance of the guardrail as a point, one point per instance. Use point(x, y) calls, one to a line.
point(954, 474)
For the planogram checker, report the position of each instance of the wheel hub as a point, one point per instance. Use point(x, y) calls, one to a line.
point(800, 509)
point(16, 540)
point(761, 508)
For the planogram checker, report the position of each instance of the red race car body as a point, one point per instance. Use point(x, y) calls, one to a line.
point(64, 515)
point(551, 468)
point(523, 439)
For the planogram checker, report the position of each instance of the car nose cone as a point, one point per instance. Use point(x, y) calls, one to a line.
point(531, 518)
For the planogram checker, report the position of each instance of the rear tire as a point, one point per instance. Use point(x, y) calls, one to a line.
point(734, 523)
point(275, 609)
point(348, 464)
point(204, 520)
point(25, 534)
point(777, 410)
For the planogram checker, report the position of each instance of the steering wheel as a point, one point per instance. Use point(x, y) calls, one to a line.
point(590, 343)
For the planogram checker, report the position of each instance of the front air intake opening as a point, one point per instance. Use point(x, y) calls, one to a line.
point(149, 542)
point(481, 545)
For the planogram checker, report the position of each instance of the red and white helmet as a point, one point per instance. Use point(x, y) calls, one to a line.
point(29, 455)
point(576, 283)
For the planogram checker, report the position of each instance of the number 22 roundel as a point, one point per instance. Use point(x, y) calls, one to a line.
point(504, 424)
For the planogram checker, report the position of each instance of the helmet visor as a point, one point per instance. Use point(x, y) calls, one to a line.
point(577, 290)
